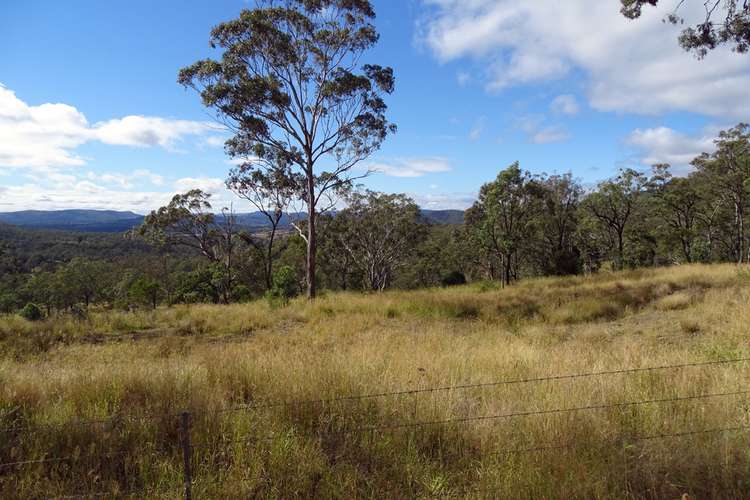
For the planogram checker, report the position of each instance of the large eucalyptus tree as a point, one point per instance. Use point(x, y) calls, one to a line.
point(291, 87)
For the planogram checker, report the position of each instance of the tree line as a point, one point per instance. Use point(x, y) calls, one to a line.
point(522, 225)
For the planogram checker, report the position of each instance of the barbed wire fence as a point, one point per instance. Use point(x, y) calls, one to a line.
point(187, 447)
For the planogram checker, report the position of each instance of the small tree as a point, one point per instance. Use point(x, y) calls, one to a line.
point(503, 216)
point(31, 312)
point(188, 221)
point(728, 169)
point(613, 205)
point(285, 287)
point(379, 231)
point(678, 205)
point(558, 220)
point(146, 291)
point(270, 192)
point(290, 86)
point(81, 281)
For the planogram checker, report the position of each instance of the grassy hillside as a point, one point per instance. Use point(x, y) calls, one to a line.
point(146, 367)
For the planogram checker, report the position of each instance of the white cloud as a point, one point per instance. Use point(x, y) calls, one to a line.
point(126, 181)
point(215, 141)
point(549, 135)
point(666, 145)
point(39, 136)
point(565, 104)
point(412, 167)
point(539, 133)
point(632, 66)
point(47, 135)
point(145, 131)
point(211, 185)
point(84, 194)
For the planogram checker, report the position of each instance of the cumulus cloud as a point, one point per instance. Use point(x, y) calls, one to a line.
point(631, 66)
point(565, 104)
point(47, 135)
point(39, 136)
point(666, 145)
point(412, 167)
point(145, 131)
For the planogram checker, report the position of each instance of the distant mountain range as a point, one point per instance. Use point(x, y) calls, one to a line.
point(110, 221)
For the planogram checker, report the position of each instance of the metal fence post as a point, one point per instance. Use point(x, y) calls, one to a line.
point(185, 441)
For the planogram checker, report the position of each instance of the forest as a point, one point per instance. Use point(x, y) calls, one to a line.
point(522, 225)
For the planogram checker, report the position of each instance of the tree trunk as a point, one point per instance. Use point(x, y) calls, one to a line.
point(687, 250)
point(269, 260)
point(620, 251)
point(508, 263)
point(312, 243)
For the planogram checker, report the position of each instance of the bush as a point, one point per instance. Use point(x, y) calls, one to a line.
point(454, 278)
point(31, 312)
point(285, 287)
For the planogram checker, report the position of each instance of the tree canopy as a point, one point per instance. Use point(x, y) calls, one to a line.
point(291, 87)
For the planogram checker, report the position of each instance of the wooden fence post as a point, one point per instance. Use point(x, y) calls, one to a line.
point(185, 441)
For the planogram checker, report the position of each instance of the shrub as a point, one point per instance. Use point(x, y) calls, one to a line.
point(241, 293)
point(31, 312)
point(285, 287)
point(454, 278)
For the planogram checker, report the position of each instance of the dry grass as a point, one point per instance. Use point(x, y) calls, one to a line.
point(207, 358)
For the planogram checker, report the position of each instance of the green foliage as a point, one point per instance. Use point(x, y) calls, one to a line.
point(377, 233)
point(332, 111)
point(285, 287)
point(522, 226)
point(31, 312)
point(146, 291)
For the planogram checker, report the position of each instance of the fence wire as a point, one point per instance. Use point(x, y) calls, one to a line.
point(113, 419)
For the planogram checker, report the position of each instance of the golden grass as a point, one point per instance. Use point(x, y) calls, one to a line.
point(207, 358)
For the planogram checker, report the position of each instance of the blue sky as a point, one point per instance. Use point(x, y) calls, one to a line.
point(91, 115)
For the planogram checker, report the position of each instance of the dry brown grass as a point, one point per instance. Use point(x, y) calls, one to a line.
point(208, 358)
